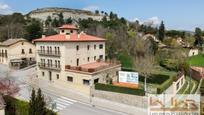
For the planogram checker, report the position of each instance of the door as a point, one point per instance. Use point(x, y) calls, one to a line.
point(50, 75)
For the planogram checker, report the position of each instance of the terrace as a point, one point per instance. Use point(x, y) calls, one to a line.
point(93, 67)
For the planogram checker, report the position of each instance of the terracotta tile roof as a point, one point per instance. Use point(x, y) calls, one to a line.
point(70, 38)
point(68, 26)
point(11, 41)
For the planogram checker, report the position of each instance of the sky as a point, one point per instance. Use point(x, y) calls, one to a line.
point(176, 14)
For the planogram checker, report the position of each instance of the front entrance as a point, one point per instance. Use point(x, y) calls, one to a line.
point(50, 75)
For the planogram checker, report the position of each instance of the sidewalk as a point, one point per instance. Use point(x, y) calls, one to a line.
point(84, 99)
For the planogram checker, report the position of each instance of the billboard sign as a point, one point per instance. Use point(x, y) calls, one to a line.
point(128, 77)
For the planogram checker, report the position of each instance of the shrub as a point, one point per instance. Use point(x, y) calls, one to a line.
point(165, 85)
point(112, 88)
point(155, 78)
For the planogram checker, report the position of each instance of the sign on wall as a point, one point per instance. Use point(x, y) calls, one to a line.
point(128, 77)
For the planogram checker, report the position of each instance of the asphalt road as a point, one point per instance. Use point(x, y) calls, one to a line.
point(63, 105)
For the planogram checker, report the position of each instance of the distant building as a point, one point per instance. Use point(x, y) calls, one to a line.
point(2, 106)
point(73, 60)
point(17, 52)
point(193, 52)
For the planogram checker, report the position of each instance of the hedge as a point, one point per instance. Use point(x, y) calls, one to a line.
point(202, 88)
point(155, 79)
point(165, 85)
point(125, 90)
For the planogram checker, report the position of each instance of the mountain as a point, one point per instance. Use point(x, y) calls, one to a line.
point(75, 14)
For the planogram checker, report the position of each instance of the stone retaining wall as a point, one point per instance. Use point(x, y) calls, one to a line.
point(132, 100)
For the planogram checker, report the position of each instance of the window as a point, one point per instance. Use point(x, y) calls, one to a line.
point(101, 46)
point(70, 79)
point(71, 31)
point(88, 47)
point(6, 54)
point(85, 82)
point(77, 61)
point(94, 46)
point(62, 31)
point(43, 73)
point(77, 47)
point(57, 76)
point(88, 59)
point(58, 64)
point(22, 43)
point(30, 51)
point(101, 57)
point(94, 57)
point(22, 51)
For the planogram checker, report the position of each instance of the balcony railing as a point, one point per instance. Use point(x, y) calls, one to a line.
point(49, 66)
point(4, 55)
point(49, 53)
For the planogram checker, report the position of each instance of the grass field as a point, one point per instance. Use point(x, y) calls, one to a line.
point(197, 60)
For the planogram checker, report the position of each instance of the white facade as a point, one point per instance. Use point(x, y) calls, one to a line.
point(17, 50)
point(193, 52)
point(59, 62)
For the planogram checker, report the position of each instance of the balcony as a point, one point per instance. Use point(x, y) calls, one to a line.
point(49, 53)
point(49, 66)
point(4, 55)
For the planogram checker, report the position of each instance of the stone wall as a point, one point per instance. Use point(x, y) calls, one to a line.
point(132, 100)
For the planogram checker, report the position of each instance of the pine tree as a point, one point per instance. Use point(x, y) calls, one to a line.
point(61, 19)
point(161, 33)
point(32, 104)
point(41, 105)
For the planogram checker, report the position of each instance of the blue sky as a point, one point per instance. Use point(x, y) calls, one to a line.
point(177, 14)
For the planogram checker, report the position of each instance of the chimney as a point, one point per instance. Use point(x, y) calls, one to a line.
point(43, 36)
point(82, 32)
point(67, 35)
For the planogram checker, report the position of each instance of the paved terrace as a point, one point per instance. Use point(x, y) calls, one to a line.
point(94, 67)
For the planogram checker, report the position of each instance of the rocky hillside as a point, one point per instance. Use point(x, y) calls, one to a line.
point(43, 13)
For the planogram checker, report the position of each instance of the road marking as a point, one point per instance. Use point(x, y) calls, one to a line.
point(65, 101)
point(62, 103)
point(68, 99)
point(57, 101)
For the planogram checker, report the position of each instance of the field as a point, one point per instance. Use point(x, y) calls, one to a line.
point(197, 60)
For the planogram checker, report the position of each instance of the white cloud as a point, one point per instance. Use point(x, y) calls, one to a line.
point(91, 8)
point(5, 9)
point(153, 21)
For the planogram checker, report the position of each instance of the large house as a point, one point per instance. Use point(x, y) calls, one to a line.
point(73, 60)
point(17, 52)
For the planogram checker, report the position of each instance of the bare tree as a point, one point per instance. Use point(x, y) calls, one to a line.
point(144, 60)
point(8, 87)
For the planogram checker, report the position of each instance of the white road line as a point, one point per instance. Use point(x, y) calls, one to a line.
point(57, 101)
point(59, 108)
point(65, 101)
point(55, 110)
point(68, 99)
point(60, 105)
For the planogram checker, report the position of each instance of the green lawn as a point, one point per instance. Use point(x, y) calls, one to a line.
point(186, 87)
point(197, 60)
